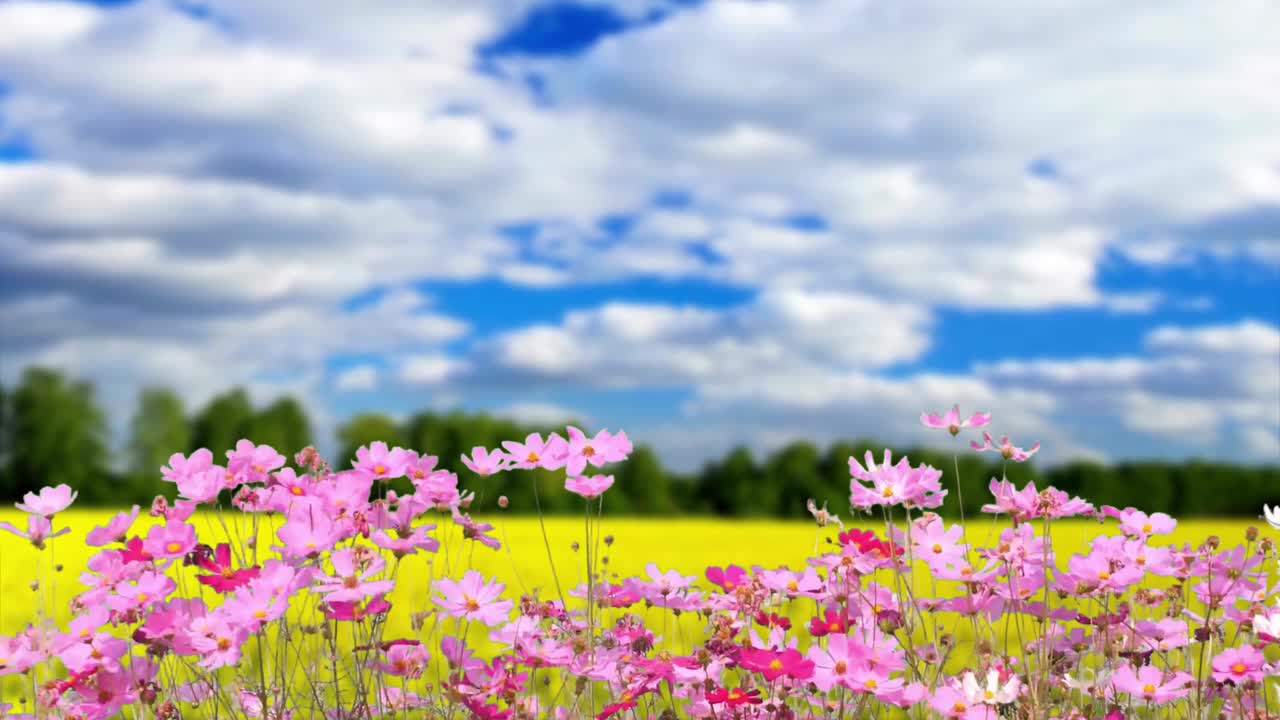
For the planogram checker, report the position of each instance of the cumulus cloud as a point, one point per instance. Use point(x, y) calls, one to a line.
point(207, 195)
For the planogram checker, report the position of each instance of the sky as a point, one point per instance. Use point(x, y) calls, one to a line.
point(707, 223)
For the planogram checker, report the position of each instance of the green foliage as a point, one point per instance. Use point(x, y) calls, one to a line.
point(58, 435)
point(225, 420)
point(51, 431)
point(283, 425)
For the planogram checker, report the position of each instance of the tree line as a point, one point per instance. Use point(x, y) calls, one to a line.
point(53, 431)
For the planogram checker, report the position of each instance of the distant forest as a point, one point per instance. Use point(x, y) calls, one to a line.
point(52, 431)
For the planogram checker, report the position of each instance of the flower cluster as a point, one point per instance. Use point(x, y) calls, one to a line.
point(263, 590)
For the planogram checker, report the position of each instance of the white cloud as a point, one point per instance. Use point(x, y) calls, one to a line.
point(359, 377)
point(547, 414)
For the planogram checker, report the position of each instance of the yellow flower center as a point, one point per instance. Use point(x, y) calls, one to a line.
point(937, 547)
point(793, 586)
point(1238, 668)
point(988, 694)
point(470, 603)
point(173, 547)
point(887, 492)
point(841, 667)
point(776, 664)
point(1146, 528)
point(1148, 689)
point(588, 451)
point(224, 643)
point(140, 597)
point(1104, 575)
point(379, 469)
point(870, 684)
point(259, 614)
point(296, 490)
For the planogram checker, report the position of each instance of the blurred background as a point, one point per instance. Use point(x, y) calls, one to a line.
point(758, 236)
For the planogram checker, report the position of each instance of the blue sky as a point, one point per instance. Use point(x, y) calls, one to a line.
point(709, 223)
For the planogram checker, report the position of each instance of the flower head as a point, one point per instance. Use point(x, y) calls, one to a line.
point(473, 599)
point(589, 487)
point(951, 422)
point(1005, 448)
point(49, 502)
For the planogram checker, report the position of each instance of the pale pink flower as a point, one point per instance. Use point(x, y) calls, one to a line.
point(1150, 683)
point(535, 453)
point(49, 502)
point(588, 487)
point(473, 599)
point(171, 540)
point(180, 466)
point(485, 462)
point(597, 451)
point(114, 531)
point(38, 530)
point(1005, 448)
point(351, 581)
point(254, 461)
point(951, 422)
point(380, 463)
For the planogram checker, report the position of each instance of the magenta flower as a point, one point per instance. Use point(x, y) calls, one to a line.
point(354, 611)
point(180, 467)
point(224, 577)
point(1239, 664)
point(473, 599)
point(1005, 448)
point(171, 540)
point(603, 448)
point(534, 453)
point(38, 530)
point(729, 578)
point(951, 422)
point(114, 531)
point(589, 487)
point(484, 461)
point(1150, 683)
point(379, 463)
point(50, 501)
point(255, 461)
point(774, 664)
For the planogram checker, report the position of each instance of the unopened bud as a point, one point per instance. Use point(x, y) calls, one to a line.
point(574, 545)
point(503, 501)
point(1251, 533)
point(608, 539)
point(1213, 541)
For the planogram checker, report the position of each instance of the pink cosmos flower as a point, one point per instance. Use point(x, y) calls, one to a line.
point(948, 700)
point(1150, 683)
point(1136, 523)
point(892, 484)
point(473, 599)
point(253, 605)
point(151, 588)
point(603, 448)
point(1005, 448)
point(218, 643)
point(405, 659)
point(774, 664)
point(114, 531)
point(485, 462)
point(307, 533)
point(38, 530)
point(475, 530)
point(379, 463)
point(1239, 664)
point(99, 651)
point(535, 453)
point(202, 487)
point(835, 664)
point(951, 421)
point(254, 461)
point(935, 544)
point(50, 501)
point(180, 466)
point(19, 654)
point(589, 487)
point(171, 540)
point(350, 580)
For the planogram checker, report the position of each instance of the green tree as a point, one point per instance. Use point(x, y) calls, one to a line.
point(59, 436)
point(159, 429)
point(724, 486)
point(795, 475)
point(223, 422)
point(644, 483)
point(364, 429)
point(283, 425)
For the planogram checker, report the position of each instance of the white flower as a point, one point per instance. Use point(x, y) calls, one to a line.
point(1268, 624)
point(993, 693)
point(1272, 515)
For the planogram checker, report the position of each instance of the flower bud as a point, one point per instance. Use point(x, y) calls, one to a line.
point(1251, 533)
point(608, 539)
point(503, 501)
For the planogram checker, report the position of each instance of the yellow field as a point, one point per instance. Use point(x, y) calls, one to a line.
point(687, 545)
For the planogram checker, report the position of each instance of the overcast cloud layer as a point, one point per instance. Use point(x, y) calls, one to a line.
point(257, 193)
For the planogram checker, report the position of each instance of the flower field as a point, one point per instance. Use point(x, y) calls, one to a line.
point(390, 589)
